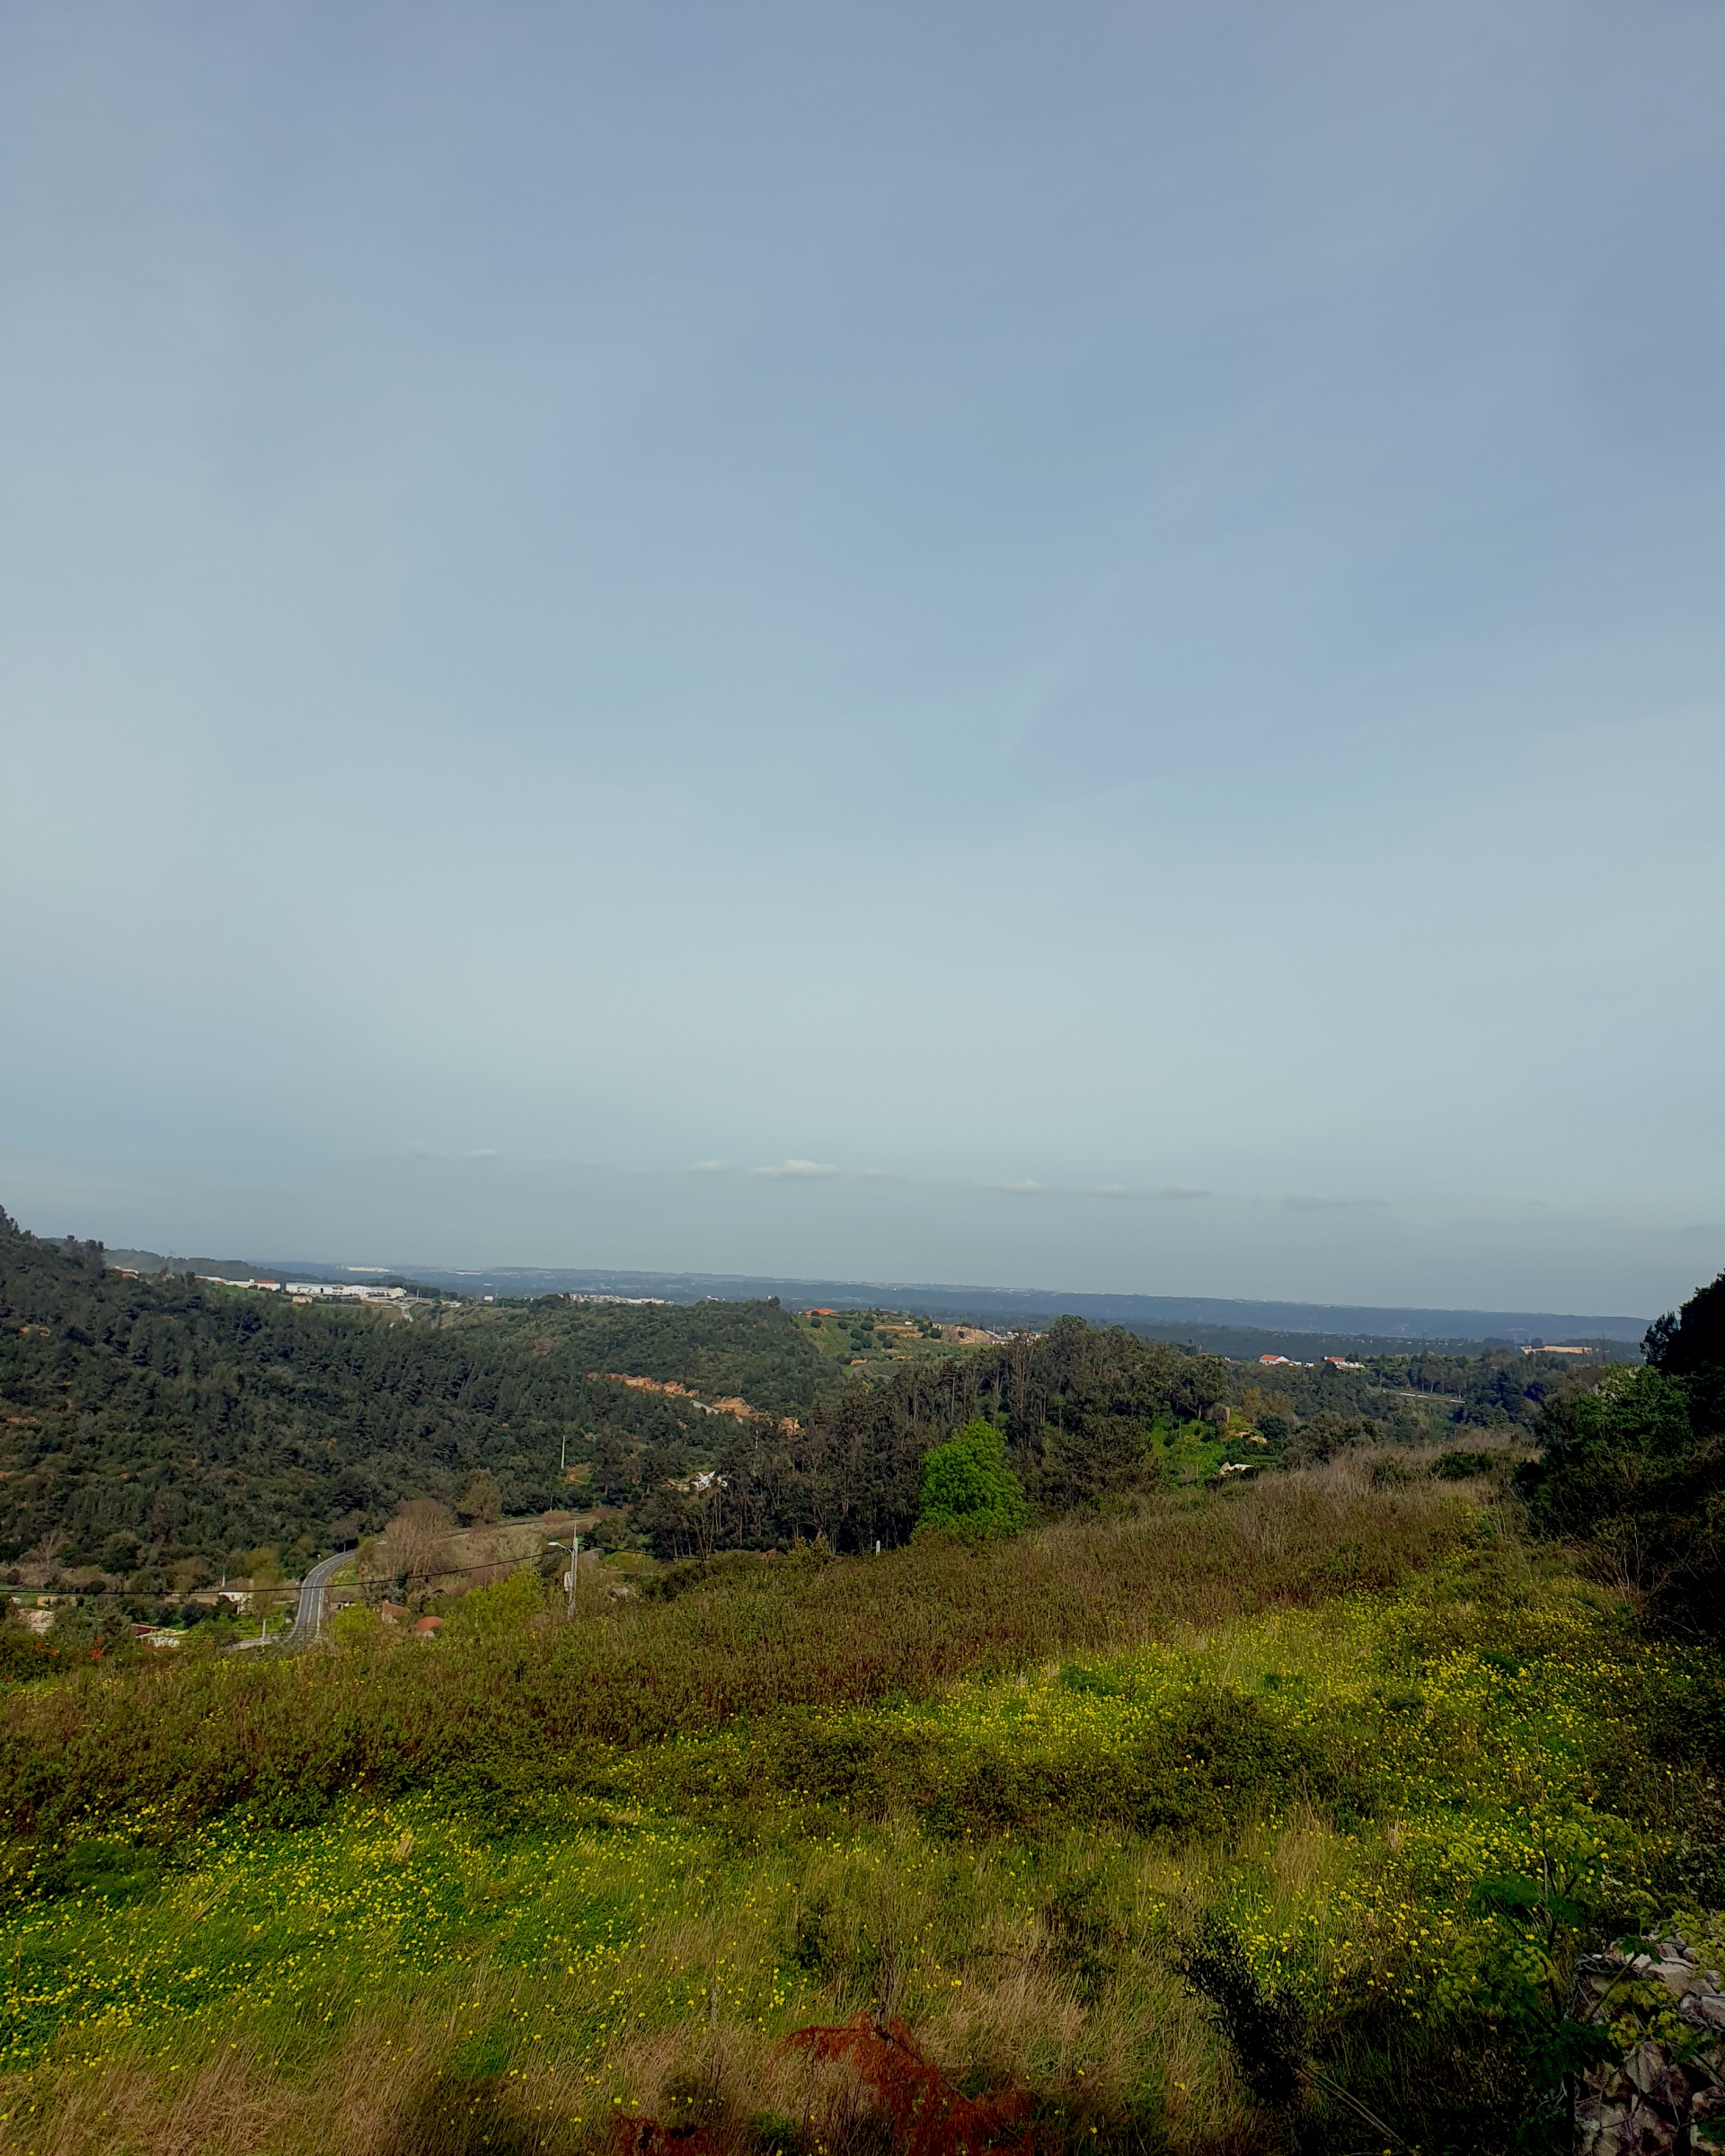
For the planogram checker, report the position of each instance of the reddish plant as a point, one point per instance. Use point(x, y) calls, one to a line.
point(929, 2116)
point(650, 2137)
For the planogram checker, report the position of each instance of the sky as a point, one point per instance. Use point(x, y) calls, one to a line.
point(1069, 647)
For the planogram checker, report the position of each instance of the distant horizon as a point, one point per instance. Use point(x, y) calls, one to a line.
point(877, 1228)
point(1245, 1313)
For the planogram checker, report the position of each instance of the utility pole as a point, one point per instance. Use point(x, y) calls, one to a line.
point(574, 1565)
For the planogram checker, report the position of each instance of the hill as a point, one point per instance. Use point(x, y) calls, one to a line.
point(157, 1424)
point(158, 1430)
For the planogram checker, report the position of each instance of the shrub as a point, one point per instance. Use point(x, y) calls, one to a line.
point(1218, 1761)
point(505, 1606)
point(194, 1733)
point(1083, 1938)
point(1328, 1434)
point(1263, 2025)
point(23, 1655)
point(968, 1488)
point(1626, 1467)
point(355, 1625)
point(923, 2113)
point(1459, 1466)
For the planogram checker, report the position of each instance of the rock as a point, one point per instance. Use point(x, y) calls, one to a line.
point(1646, 2103)
point(1649, 2070)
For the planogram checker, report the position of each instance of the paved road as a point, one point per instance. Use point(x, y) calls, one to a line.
point(308, 1619)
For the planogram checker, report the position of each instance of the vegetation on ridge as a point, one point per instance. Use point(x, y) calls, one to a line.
point(495, 1892)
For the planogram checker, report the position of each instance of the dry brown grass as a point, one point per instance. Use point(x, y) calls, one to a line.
point(224, 2107)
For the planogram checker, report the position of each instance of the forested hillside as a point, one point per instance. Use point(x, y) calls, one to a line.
point(1088, 1418)
point(1499, 1388)
point(150, 1422)
point(1092, 1418)
point(158, 1427)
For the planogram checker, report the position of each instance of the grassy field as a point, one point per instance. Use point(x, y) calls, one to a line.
point(527, 1887)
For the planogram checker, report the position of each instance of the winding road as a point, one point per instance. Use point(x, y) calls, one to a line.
point(308, 1619)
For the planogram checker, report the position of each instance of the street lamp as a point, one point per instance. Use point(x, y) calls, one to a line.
point(574, 1563)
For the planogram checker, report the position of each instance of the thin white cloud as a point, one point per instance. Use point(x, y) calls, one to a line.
point(804, 1171)
point(1116, 1190)
point(1314, 1203)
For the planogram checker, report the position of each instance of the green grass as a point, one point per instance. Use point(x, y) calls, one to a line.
point(1004, 1838)
point(833, 1342)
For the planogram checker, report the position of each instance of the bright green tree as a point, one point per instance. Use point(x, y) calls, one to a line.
point(969, 1489)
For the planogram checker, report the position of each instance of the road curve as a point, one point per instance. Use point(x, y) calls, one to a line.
point(308, 1619)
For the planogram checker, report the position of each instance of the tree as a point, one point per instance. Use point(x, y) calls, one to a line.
point(1689, 1345)
point(412, 1548)
point(482, 1505)
point(1276, 1426)
point(969, 1489)
point(1632, 1470)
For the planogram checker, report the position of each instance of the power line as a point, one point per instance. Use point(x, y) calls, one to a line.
point(288, 1586)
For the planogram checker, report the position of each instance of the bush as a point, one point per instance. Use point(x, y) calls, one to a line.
point(1626, 1469)
point(968, 1488)
point(355, 1625)
point(1222, 1758)
point(194, 1733)
point(1459, 1466)
point(96, 1628)
point(1316, 1443)
point(487, 1613)
point(24, 1656)
point(1263, 2025)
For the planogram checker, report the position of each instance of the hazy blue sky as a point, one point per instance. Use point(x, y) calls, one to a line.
point(1055, 645)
